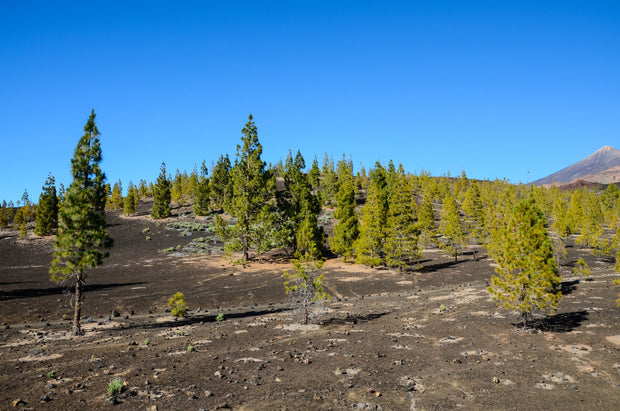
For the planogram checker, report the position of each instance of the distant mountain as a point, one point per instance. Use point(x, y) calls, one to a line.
point(601, 167)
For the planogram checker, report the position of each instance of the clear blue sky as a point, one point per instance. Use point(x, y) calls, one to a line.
point(500, 88)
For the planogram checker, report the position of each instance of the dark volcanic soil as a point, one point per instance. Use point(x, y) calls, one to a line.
point(430, 339)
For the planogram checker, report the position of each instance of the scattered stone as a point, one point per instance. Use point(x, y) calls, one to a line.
point(545, 386)
point(18, 403)
point(50, 385)
point(496, 380)
point(558, 378)
point(44, 399)
point(208, 393)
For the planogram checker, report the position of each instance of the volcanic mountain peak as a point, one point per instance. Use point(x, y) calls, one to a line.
point(598, 162)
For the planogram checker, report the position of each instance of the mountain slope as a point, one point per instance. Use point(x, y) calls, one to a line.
point(596, 168)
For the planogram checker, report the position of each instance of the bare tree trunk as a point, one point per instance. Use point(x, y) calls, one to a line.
point(77, 309)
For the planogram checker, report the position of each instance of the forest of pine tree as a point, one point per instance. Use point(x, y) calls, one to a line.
point(381, 216)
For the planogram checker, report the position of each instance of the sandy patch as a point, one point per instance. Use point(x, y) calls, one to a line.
point(450, 340)
point(298, 327)
point(40, 357)
point(614, 339)
point(349, 279)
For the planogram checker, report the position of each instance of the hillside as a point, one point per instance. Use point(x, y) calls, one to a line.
point(429, 339)
point(603, 167)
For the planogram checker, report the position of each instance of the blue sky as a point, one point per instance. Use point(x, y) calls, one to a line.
point(501, 89)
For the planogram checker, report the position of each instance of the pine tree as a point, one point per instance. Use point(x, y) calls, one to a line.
point(61, 194)
point(202, 192)
point(20, 222)
point(28, 209)
point(528, 277)
point(161, 195)
point(179, 192)
point(451, 227)
point(82, 238)
point(4, 214)
point(305, 284)
point(143, 189)
point(298, 209)
point(221, 184)
point(47, 210)
point(192, 183)
point(474, 211)
point(369, 245)
point(253, 189)
point(592, 233)
point(382, 180)
point(346, 230)
point(115, 201)
point(330, 183)
point(426, 220)
point(309, 237)
point(131, 201)
point(314, 175)
point(401, 244)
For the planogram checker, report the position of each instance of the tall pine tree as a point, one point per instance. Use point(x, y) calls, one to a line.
point(451, 227)
point(47, 210)
point(221, 184)
point(130, 205)
point(527, 275)
point(82, 238)
point(346, 230)
point(202, 192)
point(161, 195)
point(369, 244)
point(401, 244)
point(253, 189)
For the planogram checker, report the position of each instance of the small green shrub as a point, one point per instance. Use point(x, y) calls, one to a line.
point(178, 305)
point(189, 226)
point(51, 374)
point(190, 348)
point(167, 250)
point(147, 341)
point(181, 333)
point(219, 317)
point(148, 238)
point(115, 388)
point(582, 268)
point(146, 230)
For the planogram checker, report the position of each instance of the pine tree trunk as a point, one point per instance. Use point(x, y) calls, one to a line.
point(77, 312)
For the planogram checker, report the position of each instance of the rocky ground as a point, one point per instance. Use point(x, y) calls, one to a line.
point(430, 339)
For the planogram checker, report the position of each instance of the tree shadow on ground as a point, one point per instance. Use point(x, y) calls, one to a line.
point(41, 292)
point(568, 287)
point(562, 323)
point(431, 268)
point(354, 319)
point(201, 318)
